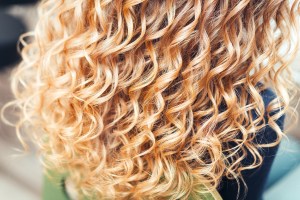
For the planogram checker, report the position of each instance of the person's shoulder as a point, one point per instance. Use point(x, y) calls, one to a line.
point(268, 95)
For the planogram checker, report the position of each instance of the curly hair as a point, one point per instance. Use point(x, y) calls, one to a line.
point(125, 96)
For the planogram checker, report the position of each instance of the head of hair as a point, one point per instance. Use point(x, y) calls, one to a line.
point(125, 95)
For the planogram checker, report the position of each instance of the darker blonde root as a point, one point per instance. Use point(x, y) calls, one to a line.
point(125, 96)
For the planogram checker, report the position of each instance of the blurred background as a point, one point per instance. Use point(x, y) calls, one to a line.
point(21, 176)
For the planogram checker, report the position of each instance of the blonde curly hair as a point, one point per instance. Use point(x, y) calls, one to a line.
point(125, 96)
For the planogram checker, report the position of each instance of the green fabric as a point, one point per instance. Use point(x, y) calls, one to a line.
point(214, 195)
point(53, 189)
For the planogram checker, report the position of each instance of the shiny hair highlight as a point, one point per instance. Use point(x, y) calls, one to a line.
point(125, 96)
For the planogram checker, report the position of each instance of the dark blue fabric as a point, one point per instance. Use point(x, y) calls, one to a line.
point(255, 178)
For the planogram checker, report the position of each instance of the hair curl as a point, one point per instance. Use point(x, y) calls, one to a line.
point(126, 95)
